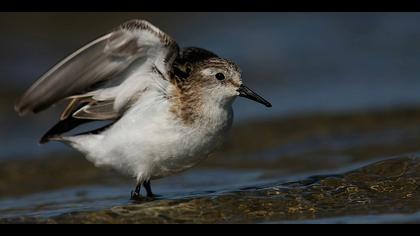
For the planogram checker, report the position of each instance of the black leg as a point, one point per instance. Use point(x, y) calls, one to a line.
point(148, 188)
point(135, 195)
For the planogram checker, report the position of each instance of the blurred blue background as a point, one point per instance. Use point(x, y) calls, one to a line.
point(303, 63)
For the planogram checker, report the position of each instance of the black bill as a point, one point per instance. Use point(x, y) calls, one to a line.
point(248, 93)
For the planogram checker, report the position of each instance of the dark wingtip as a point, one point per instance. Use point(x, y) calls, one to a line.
point(47, 138)
point(44, 140)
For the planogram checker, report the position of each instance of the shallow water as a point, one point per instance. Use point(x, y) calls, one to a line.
point(381, 192)
point(92, 198)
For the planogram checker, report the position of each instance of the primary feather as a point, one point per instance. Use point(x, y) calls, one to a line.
point(94, 70)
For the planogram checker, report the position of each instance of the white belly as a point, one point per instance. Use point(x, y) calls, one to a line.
point(152, 144)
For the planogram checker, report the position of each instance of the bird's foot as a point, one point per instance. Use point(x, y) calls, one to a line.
point(135, 196)
point(139, 198)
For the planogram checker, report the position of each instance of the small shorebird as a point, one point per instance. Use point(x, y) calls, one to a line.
point(168, 107)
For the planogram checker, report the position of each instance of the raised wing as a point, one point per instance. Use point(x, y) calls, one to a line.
point(96, 65)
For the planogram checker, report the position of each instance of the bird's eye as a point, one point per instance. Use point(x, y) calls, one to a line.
point(220, 76)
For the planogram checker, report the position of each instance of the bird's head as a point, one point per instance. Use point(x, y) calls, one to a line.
point(219, 79)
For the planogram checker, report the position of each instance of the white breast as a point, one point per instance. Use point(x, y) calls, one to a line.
point(150, 142)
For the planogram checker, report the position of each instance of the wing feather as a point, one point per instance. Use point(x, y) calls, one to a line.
point(97, 65)
point(102, 110)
